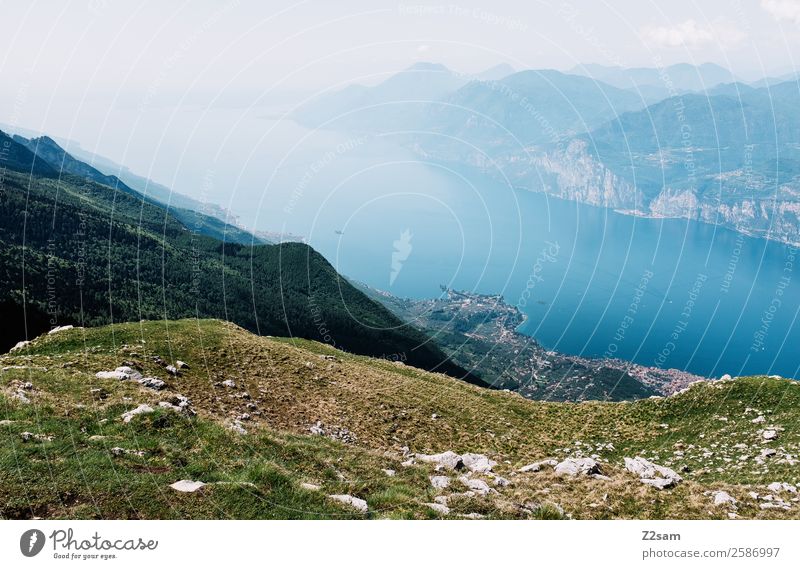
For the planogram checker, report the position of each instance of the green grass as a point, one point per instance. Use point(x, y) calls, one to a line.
point(703, 433)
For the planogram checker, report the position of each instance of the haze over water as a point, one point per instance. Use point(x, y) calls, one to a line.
point(665, 292)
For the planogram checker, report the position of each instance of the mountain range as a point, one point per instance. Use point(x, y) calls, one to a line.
point(683, 141)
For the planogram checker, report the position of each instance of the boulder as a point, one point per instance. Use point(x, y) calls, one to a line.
point(722, 498)
point(181, 365)
point(537, 466)
point(142, 409)
point(122, 373)
point(478, 486)
point(652, 474)
point(577, 466)
point(447, 460)
point(152, 383)
point(438, 508)
point(782, 487)
point(20, 345)
point(440, 482)
point(187, 485)
point(769, 434)
point(237, 427)
point(179, 404)
point(478, 462)
point(660, 483)
point(357, 503)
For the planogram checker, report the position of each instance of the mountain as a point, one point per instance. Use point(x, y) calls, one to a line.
point(75, 251)
point(275, 428)
point(670, 80)
point(14, 156)
point(151, 189)
point(729, 156)
point(495, 73)
point(523, 109)
point(394, 104)
point(148, 188)
point(49, 153)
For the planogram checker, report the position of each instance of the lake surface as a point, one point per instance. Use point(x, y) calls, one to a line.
point(593, 282)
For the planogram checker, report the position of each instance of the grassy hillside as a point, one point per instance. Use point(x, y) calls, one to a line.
point(373, 416)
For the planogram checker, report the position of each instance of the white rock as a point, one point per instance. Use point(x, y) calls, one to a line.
point(237, 427)
point(142, 409)
point(389, 472)
point(478, 462)
point(21, 397)
point(122, 373)
point(537, 466)
point(438, 508)
point(660, 483)
point(58, 329)
point(448, 460)
point(181, 365)
point(357, 503)
point(229, 383)
point(759, 419)
point(476, 485)
point(655, 473)
point(440, 482)
point(20, 345)
point(782, 487)
point(500, 481)
point(309, 486)
point(152, 383)
point(172, 370)
point(577, 466)
point(769, 434)
point(187, 485)
point(722, 498)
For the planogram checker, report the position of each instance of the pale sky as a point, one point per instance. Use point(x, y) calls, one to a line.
point(70, 68)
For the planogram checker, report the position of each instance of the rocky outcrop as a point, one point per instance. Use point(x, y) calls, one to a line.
point(652, 474)
point(577, 467)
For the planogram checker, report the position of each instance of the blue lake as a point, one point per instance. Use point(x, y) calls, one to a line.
point(672, 293)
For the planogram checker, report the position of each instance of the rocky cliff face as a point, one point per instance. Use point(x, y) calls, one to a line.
point(575, 175)
point(572, 172)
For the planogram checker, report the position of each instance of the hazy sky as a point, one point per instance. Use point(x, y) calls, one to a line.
point(72, 69)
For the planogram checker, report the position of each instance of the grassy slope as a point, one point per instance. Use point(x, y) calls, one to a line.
point(386, 406)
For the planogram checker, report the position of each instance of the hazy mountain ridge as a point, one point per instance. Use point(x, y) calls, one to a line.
point(44, 151)
point(707, 148)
